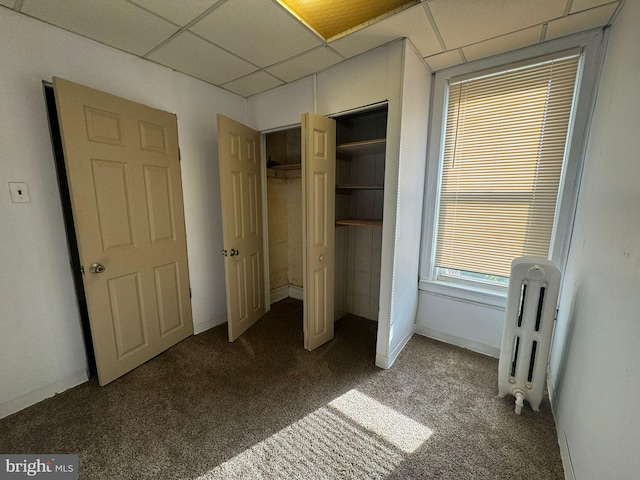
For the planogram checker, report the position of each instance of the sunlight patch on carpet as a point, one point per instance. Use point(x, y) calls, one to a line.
point(398, 429)
point(353, 437)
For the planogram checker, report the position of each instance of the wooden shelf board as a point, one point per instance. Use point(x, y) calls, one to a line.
point(355, 222)
point(359, 187)
point(366, 146)
point(293, 166)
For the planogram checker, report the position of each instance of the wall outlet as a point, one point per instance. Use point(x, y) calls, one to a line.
point(19, 192)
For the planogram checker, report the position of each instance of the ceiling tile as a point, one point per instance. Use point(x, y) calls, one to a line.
point(412, 23)
point(464, 22)
point(114, 22)
point(261, 32)
point(194, 56)
point(505, 43)
point(252, 84)
point(305, 64)
point(579, 5)
point(578, 22)
point(444, 60)
point(178, 12)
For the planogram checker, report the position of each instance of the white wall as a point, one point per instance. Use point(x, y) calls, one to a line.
point(41, 346)
point(404, 193)
point(473, 325)
point(595, 358)
point(282, 106)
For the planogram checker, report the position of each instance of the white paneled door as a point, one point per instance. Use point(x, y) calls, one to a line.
point(126, 192)
point(241, 192)
point(318, 220)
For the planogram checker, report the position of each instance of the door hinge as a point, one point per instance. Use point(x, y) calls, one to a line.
point(82, 269)
point(189, 292)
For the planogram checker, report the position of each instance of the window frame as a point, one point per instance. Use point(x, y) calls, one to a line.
point(591, 47)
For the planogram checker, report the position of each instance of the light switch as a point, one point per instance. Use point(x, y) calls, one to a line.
point(19, 192)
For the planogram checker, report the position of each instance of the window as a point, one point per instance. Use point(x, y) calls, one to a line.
point(505, 147)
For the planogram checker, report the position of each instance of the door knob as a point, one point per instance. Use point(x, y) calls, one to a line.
point(97, 268)
point(223, 252)
point(234, 252)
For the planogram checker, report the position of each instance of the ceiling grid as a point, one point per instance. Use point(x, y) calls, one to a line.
point(250, 46)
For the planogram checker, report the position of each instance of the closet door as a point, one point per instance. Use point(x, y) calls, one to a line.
point(241, 192)
point(318, 220)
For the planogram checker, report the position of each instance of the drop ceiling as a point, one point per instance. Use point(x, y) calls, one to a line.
point(250, 46)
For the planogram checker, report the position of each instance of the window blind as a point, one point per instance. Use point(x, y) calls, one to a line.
point(503, 153)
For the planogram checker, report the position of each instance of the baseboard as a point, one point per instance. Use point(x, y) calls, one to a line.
point(206, 325)
point(563, 441)
point(285, 291)
point(458, 341)
point(296, 292)
point(31, 398)
point(384, 361)
point(278, 294)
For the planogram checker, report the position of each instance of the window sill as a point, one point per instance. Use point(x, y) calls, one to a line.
point(463, 293)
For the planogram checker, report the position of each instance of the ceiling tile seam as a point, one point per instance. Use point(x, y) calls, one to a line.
point(299, 19)
point(155, 14)
point(372, 21)
point(462, 55)
point(567, 8)
point(301, 54)
point(163, 43)
point(18, 5)
point(543, 32)
point(258, 67)
point(587, 10)
point(616, 12)
point(252, 73)
point(333, 65)
point(493, 38)
point(432, 21)
point(186, 27)
point(583, 11)
point(108, 45)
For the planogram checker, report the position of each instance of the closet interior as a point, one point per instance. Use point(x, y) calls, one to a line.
point(360, 172)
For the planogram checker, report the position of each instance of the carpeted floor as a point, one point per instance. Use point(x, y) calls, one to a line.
point(263, 407)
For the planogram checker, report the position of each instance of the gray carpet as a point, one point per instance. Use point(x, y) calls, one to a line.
point(263, 407)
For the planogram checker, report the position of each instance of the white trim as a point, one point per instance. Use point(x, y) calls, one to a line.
point(279, 293)
point(463, 293)
point(31, 398)
point(458, 341)
point(207, 324)
point(384, 361)
point(563, 441)
point(285, 291)
point(296, 292)
point(591, 43)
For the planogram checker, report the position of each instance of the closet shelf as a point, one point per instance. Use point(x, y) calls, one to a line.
point(359, 187)
point(377, 145)
point(291, 166)
point(355, 222)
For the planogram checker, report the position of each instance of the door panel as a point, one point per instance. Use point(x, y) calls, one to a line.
point(241, 193)
point(318, 197)
point(126, 195)
point(161, 216)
